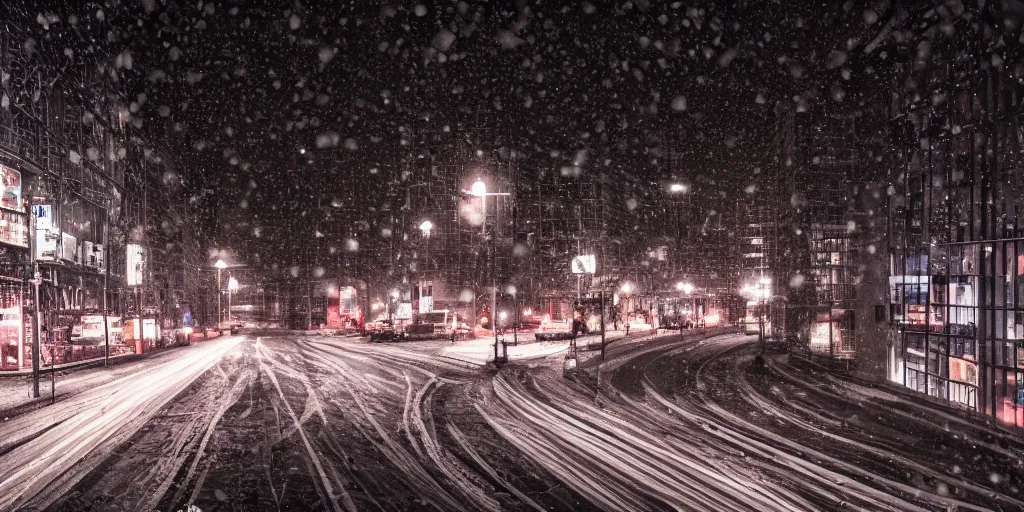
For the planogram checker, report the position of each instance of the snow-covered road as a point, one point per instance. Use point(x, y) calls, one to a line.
point(47, 450)
point(315, 423)
point(688, 425)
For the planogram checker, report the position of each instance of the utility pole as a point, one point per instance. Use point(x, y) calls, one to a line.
point(220, 320)
point(760, 324)
point(106, 280)
point(602, 325)
point(494, 296)
point(34, 266)
point(229, 298)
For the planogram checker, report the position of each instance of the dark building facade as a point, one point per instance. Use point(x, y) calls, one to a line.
point(90, 223)
point(956, 284)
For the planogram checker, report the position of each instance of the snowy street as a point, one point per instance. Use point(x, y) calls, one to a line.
point(295, 422)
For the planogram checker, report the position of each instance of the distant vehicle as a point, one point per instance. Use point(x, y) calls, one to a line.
point(379, 326)
point(551, 330)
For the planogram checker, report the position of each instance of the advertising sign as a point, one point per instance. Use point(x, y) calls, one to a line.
point(87, 257)
point(13, 228)
point(46, 234)
point(349, 302)
point(149, 329)
point(12, 342)
point(584, 264)
point(10, 195)
point(136, 264)
point(91, 328)
point(44, 216)
point(426, 304)
point(46, 245)
point(404, 311)
point(69, 247)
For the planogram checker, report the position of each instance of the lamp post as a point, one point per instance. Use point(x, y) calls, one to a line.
point(220, 266)
point(479, 189)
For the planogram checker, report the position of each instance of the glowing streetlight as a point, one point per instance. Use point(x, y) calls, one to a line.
point(677, 188)
point(479, 189)
point(626, 288)
point(426, 226)
point(686, 288)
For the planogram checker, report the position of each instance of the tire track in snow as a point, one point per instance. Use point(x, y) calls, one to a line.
point(328, 486)
point(744, 433)
point(754, 398)
point(95, 423)
point(617, 452)
point(416, 474)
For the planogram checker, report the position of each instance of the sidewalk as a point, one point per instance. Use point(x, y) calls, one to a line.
point(480, 351)
point(76, 377)
point(98, 361)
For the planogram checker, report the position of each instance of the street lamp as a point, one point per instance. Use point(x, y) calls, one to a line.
point(677, 188)
point(479, 189)
point(425, 227)
point(220, 312)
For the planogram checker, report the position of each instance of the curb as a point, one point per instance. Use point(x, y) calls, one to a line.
point(77, 365)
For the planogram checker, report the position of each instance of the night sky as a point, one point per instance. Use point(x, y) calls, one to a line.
point(234, 89)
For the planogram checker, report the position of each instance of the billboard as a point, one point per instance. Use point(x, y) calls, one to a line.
point(135, 266)
point(46, 245)
point(584, 264)
point(10, 195)
point(13, 228)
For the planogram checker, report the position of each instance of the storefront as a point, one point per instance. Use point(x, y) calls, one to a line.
point(14, 260)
